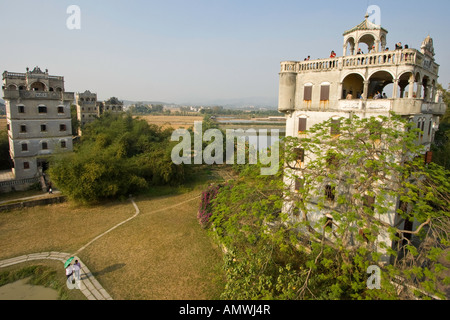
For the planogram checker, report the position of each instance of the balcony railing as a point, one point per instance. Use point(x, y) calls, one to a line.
point(386, 58)
point(27, 94)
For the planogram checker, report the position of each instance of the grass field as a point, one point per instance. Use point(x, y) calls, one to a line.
point(175, 122)
point(161, 254)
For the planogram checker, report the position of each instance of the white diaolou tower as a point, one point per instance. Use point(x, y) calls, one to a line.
point(313, 91)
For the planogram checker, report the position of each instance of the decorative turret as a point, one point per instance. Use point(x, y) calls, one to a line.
point(373, 35)
point(427, 47)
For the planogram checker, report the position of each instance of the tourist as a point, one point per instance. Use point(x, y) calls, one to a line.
point(350, 96)
point(69, 271)
point(333, 54)
point(384, 95)
point(359, 51)
point(76, 269)
point(377, 95)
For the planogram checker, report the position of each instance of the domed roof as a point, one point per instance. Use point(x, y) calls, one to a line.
point(365, 25)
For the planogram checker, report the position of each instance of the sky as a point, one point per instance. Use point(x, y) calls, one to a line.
point(198, 51)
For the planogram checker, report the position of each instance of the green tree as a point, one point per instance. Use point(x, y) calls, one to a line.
point(441, 144)
point(5, 157)
point(74, 119)
point(117, 155)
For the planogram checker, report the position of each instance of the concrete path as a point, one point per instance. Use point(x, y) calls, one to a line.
point(90, 287)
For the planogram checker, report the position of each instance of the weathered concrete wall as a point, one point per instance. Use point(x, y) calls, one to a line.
point(32, 203)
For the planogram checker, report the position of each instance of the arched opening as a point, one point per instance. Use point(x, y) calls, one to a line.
point(349, 48)
point(380, 84)
point(368, 40)
point(352, 86)
point(12, 87)
point(404, 83)
point(426, 88)
point(37, 86)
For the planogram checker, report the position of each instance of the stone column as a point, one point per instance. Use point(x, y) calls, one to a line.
point(395, 91)
point(365, 94)
point(419, 90)
point(411, 88)
point(340, 90)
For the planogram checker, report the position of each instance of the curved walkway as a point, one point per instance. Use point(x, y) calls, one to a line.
point(89, 286)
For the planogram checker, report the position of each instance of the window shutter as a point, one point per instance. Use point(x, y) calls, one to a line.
point(330, 192)
point(300, 154)
point(335, 127)
point(299, 182)
point(428, 157)
point(325, 93)
point(301, 125)
point(307, 95)
point(369, 202)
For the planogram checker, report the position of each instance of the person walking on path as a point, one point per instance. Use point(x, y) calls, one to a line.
point(76, 270)
point(69, 271)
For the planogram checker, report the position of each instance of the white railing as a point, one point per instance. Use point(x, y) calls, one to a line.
point(386, 58)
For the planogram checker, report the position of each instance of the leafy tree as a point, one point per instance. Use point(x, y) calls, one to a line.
point(74, 119)
point(5, 157)
point(441, 144)
point(315, 237)
point(118, 155)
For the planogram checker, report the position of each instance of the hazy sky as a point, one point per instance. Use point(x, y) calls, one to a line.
point(197, 51)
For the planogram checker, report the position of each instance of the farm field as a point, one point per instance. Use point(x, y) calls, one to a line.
point(176, 122)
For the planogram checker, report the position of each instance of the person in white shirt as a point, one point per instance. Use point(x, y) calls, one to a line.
point(76, 269)
point(69, 271)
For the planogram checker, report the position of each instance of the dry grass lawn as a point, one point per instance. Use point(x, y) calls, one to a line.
point(175, 122)
point(60, 227)
point(161, 254)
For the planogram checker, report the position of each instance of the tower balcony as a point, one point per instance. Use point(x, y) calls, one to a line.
point(399, 106)
point(12, 94)
point(391, 58)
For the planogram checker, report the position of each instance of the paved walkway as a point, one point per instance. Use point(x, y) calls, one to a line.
point(90, 287)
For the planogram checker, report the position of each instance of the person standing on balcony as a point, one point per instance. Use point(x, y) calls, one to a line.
point(333, 54)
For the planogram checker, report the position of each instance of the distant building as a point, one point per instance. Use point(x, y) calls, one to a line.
point(38, 119)
point(87, 109)
point(113, 105)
